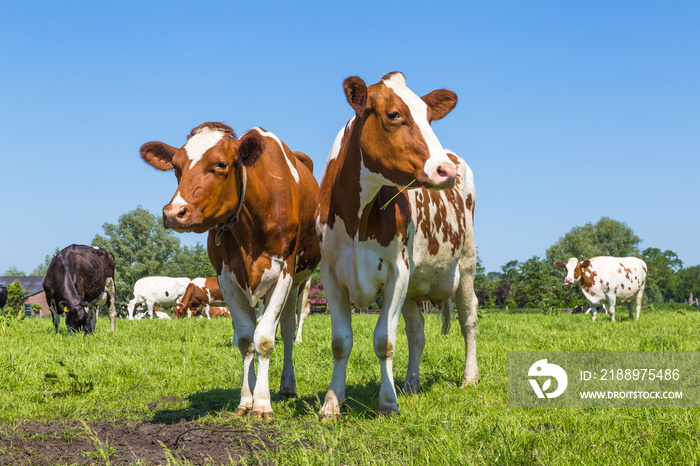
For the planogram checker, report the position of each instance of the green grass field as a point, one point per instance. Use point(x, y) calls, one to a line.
point(47, 377)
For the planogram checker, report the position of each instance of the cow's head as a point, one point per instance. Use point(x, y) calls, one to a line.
point(80, 316)
point(397, 140)
point(208, 169)
point(574, 270)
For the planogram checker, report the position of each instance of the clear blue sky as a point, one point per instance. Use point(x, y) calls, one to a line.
point(568, 111)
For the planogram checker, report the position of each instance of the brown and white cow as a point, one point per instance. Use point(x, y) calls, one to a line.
point(411, 246)
point(608, 281)
point(200, 295)
point(217, 311)
point(256, 198)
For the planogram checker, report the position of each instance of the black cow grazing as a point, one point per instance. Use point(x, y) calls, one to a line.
point(3, 296)
point(79, 278)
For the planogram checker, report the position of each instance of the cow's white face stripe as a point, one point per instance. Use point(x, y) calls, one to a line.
point(178, 199)
point(201, 142)
point(292, 168)
point(419, 113)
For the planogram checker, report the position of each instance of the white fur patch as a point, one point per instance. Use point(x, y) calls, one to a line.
point(178, 199)
point(199, 281)
point(201, 142)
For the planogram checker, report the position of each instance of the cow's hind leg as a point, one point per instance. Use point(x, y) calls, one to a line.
point(303, 309)
point(638, 301)
point(467, 303)
point(287, 329)
point(111, 298)
point(415, 333)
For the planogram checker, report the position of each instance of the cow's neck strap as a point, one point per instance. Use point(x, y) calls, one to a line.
point(232, 221)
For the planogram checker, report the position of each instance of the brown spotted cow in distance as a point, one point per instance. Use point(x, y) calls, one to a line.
point(200, 295)
point(608, 281)
point(409, 246)
point(256, 198)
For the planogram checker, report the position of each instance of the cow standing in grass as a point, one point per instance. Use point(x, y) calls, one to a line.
point(161, 291)
point(607, 281)
point(409, 246)
point(256, 198)
point(78, 279)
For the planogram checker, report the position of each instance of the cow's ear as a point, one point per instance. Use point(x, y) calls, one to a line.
point(251, 147)
point(440, 102)
point(63, 307)
point(585, 263)
point(158, 155)
point(561, 265)
point(356, 93)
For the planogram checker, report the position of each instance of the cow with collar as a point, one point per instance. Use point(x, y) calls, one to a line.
point(256, 198)
point(78, 279)
point(607, 281)
point(376, 238)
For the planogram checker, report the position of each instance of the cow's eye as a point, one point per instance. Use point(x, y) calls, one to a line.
point(222, 165)
point(393, 116)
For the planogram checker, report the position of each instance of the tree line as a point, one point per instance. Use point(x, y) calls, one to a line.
point(538, 283)
point(143, 247)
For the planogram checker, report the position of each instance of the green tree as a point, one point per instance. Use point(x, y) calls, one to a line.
point(538, 285)
point(14, 271)
point(688, 282)
point(15, 293)
point(192, 262)
point(607, 237)
point(662, 277)
point(141, 246)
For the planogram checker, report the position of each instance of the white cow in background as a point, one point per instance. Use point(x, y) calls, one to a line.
point(609, 281)
point(163, 291)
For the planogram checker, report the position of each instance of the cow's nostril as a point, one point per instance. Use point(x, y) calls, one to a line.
point(182, 213)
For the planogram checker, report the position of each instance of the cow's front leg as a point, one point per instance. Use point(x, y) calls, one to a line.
point(265, 343)
point(56, 317)
point(243, 320)
point(341, 325)
point(385, 337)
point(415, 333)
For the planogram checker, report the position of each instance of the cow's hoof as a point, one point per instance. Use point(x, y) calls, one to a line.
point(328, 417)
point(411, 388)
point(288, 394)
point(241, 411)
point(267, 416)
point(383, 412)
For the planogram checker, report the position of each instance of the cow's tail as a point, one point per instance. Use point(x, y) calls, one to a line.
point(111, 298)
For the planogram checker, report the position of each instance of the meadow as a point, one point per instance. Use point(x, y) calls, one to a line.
point(163, 372)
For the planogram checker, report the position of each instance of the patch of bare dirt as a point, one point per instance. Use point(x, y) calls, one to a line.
point(142, 443)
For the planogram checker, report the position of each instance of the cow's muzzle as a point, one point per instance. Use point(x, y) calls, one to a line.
point(181, 218)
